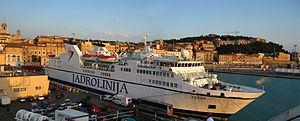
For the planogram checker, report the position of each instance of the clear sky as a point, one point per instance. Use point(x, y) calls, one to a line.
point(126, 20)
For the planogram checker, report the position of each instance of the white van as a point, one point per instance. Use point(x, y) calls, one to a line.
point(4, 100)
point(107, 97)
point(122, 100)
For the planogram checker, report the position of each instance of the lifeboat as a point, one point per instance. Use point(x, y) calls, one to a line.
point(106, 58)
point(89, 57)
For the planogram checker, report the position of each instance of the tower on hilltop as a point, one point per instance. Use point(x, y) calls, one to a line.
point(4, 28)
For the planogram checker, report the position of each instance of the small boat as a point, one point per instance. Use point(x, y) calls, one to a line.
point(106, 58)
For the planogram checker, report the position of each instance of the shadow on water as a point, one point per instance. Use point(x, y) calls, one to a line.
point(281, 95)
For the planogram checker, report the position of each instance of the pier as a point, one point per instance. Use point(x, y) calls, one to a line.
point(254, 72)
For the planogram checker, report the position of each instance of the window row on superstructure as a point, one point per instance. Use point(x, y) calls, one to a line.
point(157, 73)
point(126, 69)
point(105, 74)
point(163, 83)
point(88, 71)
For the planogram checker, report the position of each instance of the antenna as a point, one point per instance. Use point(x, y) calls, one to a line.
point(145, 38)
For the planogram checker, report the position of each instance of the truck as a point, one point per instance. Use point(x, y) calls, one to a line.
point(122, 100)
point(71, 115)
point(4, 100)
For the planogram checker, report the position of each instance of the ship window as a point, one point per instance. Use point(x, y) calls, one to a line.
point(153, 73)
point(222, 95)
point(156, 81)
point(137, 71)
point(153, 81)
point(164, 74)
point(144, 72)
point(150, 72)
point(150, 81)
point(160, 73)
point(171, 84)
point(160, 82)
point(168, 75)
point(212, 106)
point(167, 84)
point(121, 69)
point(175, 85)
point(208, 94)
point(163, 83)
point(172, 75)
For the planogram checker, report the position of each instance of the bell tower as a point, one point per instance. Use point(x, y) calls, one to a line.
point(4, 28)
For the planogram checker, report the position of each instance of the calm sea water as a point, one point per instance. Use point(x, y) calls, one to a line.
point(281, 95)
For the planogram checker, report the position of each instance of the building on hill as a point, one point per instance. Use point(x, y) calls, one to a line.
point(5, 37)
point(50, 39)
point(14, 54)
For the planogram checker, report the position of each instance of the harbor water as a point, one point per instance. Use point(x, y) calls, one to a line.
point(281, 95)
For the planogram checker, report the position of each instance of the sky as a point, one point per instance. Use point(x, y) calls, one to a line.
point(126, 20)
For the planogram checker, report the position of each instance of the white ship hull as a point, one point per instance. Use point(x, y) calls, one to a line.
point(184, 102)
point(160, 81)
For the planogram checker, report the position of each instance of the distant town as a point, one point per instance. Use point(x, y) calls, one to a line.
point(221, 50)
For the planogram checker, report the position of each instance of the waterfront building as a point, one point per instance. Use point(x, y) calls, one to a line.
point(240, 59)
point(14, 83)
point(225, 58)
point(205, 56)
point(167, 53)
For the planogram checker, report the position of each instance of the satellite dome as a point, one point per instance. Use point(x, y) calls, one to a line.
point(185, 53)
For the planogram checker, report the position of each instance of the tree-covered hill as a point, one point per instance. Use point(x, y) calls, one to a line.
point(208, 38)
point(252, 48)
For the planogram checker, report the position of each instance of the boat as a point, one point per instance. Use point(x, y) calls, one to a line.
point(174, 80)
point(88, 56)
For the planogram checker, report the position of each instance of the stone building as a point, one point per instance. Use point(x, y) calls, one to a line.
point(14, 54)
point(205, 56)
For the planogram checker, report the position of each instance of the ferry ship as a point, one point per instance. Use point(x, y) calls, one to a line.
point(174, 80)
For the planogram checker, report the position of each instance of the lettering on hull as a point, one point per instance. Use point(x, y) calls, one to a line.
point(109, 85)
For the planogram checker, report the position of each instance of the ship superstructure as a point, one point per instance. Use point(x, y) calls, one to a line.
point(175, 80)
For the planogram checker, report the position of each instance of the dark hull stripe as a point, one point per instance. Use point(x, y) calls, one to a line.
point(148, 85)
point(189, 113)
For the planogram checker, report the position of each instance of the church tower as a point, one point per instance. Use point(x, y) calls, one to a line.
point(4, 28)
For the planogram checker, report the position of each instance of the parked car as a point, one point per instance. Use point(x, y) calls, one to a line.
point(45, 104)
point(40, 97)
point(67, 102)
point(21, 99)
point(30, 98)
point(51, 116)
point(59, 96)
point(34, 107)
point(51, 107)
point(94, 109)
point(55, 89)
point(107, 97)
point(40, 111)
point(48, 96)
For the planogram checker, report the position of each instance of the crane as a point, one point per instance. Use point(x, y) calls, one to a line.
point(234, 32)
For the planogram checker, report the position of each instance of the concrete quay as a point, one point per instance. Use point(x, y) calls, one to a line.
point(254, 72)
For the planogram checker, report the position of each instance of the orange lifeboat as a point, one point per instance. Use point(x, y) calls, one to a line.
point(106, 58)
